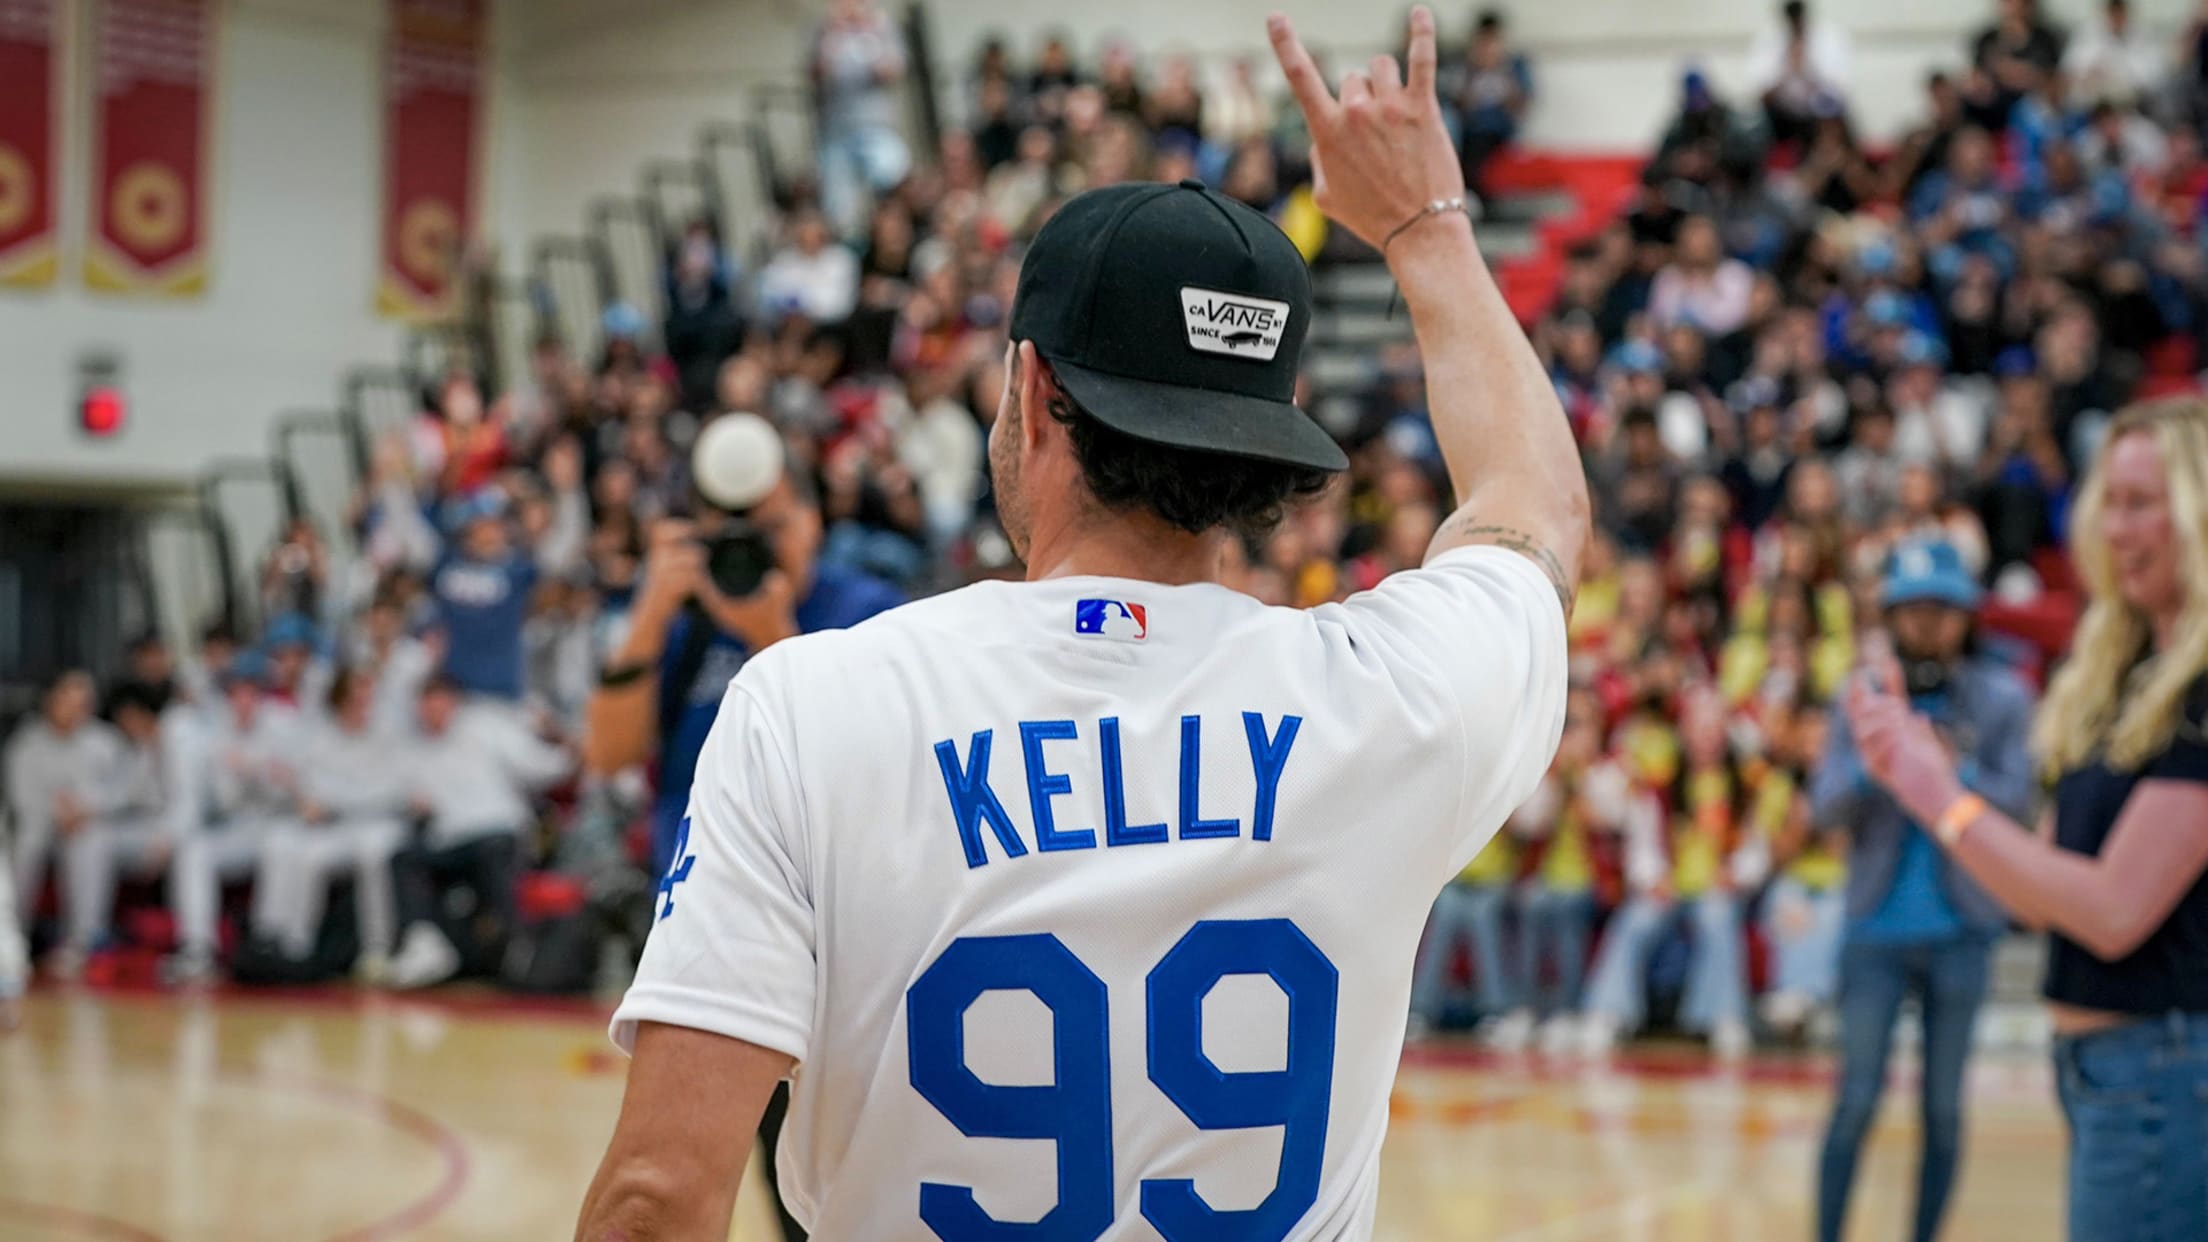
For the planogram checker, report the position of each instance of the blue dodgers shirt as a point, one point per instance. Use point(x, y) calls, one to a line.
point(840, 598)
point(482, 606)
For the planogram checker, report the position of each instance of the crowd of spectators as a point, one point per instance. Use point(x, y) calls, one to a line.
point(1790, 354)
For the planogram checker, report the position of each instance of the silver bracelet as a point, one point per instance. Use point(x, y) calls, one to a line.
point(1439, 207)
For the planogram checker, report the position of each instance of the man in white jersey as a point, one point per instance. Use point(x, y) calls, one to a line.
point(1085, 907)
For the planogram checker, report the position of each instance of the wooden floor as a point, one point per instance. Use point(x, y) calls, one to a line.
point(338, 1116)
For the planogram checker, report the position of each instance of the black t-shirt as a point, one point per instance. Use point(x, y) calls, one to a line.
point(2169, 971)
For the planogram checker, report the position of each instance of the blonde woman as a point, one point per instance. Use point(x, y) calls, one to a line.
point(2115, 874)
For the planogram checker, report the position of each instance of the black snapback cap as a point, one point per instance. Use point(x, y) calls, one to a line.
point(1175, 315)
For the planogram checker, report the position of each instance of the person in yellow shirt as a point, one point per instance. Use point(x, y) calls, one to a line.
point(1693, 868)
point(1468, 911)
point(1805, 909)
point(1585, 793)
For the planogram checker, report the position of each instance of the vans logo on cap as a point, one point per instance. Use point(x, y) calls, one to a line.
point(1233, 323)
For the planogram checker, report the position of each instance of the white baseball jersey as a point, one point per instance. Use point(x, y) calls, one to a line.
point(1093, 902)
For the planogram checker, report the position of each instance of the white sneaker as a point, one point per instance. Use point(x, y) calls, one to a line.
point(66, 964)
point(1785, 1011)
point(188, 968)
point(1510, 1033)
point(1730, 1040)
point(1598, 1035)
point(424, 959)
point(372, 970)
point(1560, 1034)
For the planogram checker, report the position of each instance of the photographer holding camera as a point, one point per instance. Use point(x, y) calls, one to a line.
point(739, 576)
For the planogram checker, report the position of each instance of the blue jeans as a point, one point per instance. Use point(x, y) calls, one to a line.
point(1948, 978)
point(1472, 912)
point(1553, 924)
point(2136, 1098)
point(1717, 974)
point(1804, 927)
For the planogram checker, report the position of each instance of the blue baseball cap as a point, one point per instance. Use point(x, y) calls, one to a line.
point(289, 630)
point(479, 505)
point(247, 668)
point(1922, 349)
point(1887, 309)
point(1637, 357)
point(1928, 571)
point(622, 320)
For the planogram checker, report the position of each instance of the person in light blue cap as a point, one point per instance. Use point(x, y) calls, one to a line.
point(1916, 925)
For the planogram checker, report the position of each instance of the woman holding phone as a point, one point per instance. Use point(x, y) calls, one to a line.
point(2115, 871)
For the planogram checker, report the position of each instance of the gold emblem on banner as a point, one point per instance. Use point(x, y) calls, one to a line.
point(429, 231)
point(18, 189)
point(146, 207)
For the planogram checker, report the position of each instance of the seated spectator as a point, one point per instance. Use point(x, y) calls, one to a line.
point(1252, 175)
point(240, 784)
point(1962, 209)
point(1469, 913)
point(1834, 173)
point(1701, 286)
point(858, 68)
point(352, 815)
point(2113, 61)
point(1235, 111)
point(1923, 149)
point(1174, 108)
point(995, 121)
point(1935, 422)
point(2016, 53)
point(1698, 868)
point(60, 779)
point(1053, 77)
point(472, 777)
point(703, 324)
point(1805, 908)
point(1489, 92)
point(1585, 795)
point(1119, 79)
point(1023, 184)
point(293, 671)
point(1756, 474)
point(1799, 70)
point(811, 275)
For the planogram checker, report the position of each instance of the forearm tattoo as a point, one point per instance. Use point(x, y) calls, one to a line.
point(1467, 528)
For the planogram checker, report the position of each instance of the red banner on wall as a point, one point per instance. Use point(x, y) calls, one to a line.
point(152, 70)
point(29, 33)
point(432, 73)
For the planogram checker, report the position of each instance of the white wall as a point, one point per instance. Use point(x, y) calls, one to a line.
point(297, 161)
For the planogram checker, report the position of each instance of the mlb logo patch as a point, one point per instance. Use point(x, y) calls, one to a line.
point(1111, 618)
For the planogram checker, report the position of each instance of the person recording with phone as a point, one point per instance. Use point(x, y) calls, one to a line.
point(739, 575)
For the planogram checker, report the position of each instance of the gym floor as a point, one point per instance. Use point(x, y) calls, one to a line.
point(334, 1115)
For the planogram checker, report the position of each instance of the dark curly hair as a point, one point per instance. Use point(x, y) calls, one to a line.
point(1189, 489)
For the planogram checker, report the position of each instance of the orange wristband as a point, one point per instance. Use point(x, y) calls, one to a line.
point(1957, 818)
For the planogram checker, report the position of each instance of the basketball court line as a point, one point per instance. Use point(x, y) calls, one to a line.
point(71, 1220)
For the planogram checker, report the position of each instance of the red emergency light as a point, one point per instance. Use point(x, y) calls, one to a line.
point(103, 410)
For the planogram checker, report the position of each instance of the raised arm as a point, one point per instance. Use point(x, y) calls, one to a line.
point(1383, 167)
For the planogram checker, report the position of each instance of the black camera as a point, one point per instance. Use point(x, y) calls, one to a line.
point(737, 558)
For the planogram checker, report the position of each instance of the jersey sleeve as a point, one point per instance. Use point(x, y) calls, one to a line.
point(732, 946)
point(1482, 627)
